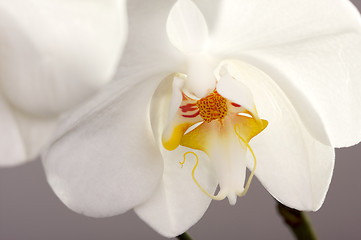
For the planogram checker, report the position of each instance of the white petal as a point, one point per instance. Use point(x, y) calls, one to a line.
point(237, 92)
point(327, 72)
point(210, 11)
point(105, 160)
point(308, 114)
point(186, 27)
point(228, 157)
point(178, 203)
point(293, 166)
point(56, 53)
point(23, 136)
point(12, 150)
point(148, 49)
point(159, 110)
point(186, 115)
point(188, 32)
point(35, 131)
point(243, 25)
point(305, 45)
point(176, 100)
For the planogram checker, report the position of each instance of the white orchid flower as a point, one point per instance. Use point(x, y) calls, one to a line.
point(54, 54)
point(230, 66)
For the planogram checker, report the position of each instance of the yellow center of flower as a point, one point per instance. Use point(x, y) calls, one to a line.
point(212, 107)
point(215, 138)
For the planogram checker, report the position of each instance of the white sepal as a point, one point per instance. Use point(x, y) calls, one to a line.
point(186, 27)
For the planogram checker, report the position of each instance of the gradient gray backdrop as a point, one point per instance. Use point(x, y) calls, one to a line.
point(30, 211)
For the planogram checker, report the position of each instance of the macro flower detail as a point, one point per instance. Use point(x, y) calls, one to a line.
point(223, 125)
point(54, 55)
point(204, 92)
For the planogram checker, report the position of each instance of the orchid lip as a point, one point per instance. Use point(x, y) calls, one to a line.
point(223, 132)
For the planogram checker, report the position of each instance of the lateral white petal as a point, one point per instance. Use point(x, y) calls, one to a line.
point(310, 49)
point(178, 203)
point(35, 131)
point(310, 117)
point(23, 136)
point(242, 25)
point(186, 27)
point(56, 53)
point(105, 160)
point(326, 71)
point(293, 166)
point(12, 150)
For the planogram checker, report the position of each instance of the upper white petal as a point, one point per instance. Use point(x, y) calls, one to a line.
point(325, 73)
point(210, 11)
point(242, 25)
point(105, 160)
point(56, 53)
point(149, 50)
point(186, 27)
point(311, 49)
point(293, 166)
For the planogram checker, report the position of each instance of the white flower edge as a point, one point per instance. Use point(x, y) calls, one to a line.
point(57, 54)
point(285, 167)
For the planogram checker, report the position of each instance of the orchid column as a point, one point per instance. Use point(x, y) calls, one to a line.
point(204, 91)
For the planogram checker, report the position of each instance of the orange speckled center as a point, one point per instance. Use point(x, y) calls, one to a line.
point(212, 107)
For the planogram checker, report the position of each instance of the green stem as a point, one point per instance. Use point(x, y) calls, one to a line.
point(298, 222)
point(184, 236)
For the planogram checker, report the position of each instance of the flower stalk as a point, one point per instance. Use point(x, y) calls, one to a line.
point(298, 222)
point(184, 236)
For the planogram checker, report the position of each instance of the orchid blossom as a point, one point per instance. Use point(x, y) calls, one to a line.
point(54, 54)
point(204, 90)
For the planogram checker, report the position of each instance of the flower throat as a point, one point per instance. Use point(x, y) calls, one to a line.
point(212, 107)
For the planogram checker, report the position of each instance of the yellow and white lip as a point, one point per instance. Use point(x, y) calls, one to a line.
point(224, 129)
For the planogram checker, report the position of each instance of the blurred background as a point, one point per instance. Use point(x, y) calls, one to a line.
point(30, 211)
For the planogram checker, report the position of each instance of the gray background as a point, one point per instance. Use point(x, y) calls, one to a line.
point(30, 211)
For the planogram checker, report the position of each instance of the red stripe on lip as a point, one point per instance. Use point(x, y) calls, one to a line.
point(235, 104)
point(188, 107)
point(191, 116)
